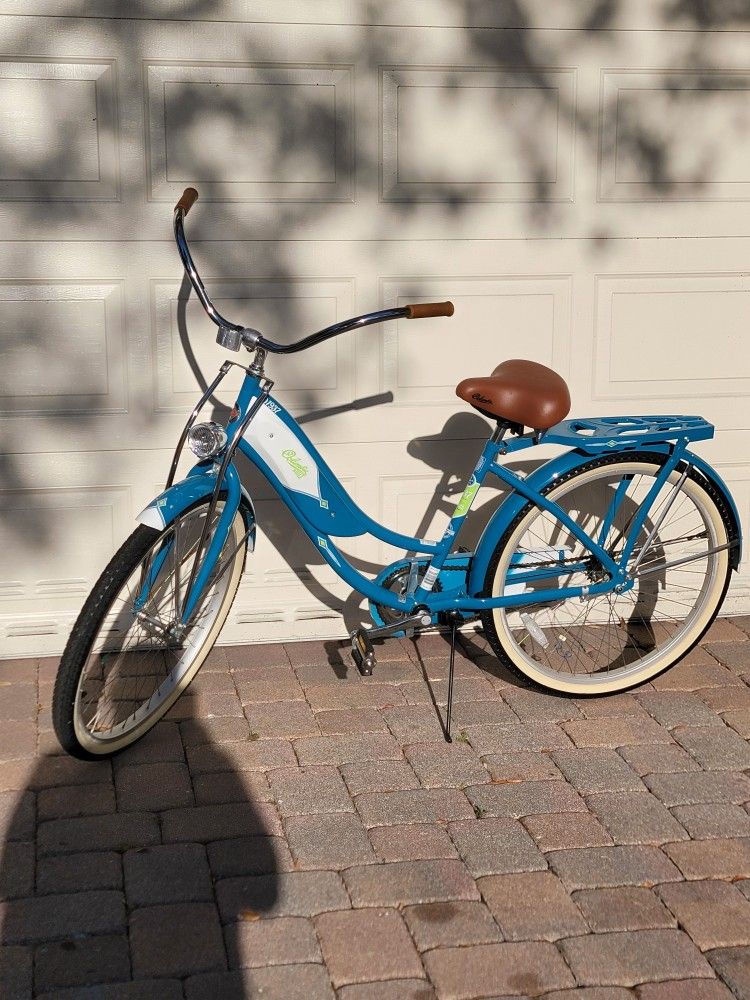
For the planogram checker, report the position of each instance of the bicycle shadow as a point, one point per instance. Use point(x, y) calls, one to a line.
point(148, 867)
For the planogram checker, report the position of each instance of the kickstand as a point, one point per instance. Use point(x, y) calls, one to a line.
point(451, 663)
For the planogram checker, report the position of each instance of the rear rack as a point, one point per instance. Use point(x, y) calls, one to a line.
point(594, 434)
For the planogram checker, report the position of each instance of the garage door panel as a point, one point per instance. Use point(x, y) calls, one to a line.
point(464, 134)
point(80, 324)
point(678, 136)
point(285, 553)
point(75, 370)
point(65, 520)
point(268, 132)
point(323, 378)
point(56, 537)
point(676, 336)
point(422, 505)
point(578, 194)
point(59, 126)
point(423, 362)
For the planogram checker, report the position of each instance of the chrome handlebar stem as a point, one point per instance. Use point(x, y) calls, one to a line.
point(232, 335)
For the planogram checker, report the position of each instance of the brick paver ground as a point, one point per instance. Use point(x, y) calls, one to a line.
point(293, 831)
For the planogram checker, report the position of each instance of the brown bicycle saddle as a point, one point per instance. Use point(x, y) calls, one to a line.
point(521, 392)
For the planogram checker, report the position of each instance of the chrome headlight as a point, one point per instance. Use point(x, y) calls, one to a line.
point(206, 440)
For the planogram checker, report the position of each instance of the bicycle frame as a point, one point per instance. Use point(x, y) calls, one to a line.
point(264, 431)
point(160, 605)
point(272, 440)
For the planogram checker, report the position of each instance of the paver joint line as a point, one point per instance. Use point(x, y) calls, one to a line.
point(314, 838)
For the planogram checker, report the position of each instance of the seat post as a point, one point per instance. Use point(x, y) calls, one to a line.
point(500, 431)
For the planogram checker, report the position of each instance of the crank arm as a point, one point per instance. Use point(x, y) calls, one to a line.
point(421, 619)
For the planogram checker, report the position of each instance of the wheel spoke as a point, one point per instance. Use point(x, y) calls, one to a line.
point(136, 660)
point(611, 638)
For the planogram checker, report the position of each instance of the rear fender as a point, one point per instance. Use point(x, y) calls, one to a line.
point(718, 484)
point(715, 480)
point(560, 466)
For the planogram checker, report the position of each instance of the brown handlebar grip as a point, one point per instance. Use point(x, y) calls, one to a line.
point(421, 310)
point(188, 199)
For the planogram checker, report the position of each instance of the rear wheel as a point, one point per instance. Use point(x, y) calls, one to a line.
point(125, 663)
point(611, 642)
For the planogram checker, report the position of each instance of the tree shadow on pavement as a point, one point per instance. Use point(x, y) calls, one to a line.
point(149, 866)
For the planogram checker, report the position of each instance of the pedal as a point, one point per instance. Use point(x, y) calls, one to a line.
point(362, 652)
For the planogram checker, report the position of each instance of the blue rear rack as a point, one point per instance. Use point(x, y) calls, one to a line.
point(594, 434)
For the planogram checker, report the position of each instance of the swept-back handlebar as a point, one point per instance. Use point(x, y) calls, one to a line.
point(254, 339)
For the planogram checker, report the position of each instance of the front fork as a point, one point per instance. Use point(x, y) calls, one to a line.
point(203, 567)
point(207, 552)
point(189, 592)
point(200, 571)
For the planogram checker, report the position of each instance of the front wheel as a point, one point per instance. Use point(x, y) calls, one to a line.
point(125, 663)
point(606, 643)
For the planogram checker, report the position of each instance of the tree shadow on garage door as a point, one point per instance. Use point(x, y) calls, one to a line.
point(271, 142)
point(88, 358)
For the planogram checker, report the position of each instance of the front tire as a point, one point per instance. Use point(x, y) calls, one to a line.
point(121, 671)
point(611, 642)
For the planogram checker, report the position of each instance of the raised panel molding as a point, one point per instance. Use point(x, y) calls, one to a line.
point(414, 504)
point(290, 558)
point(674, 136)
point(422, 361)
point(84, 525)
point(250, 132)
point(421, 505)
point(464, 135)
point(58, 131)
point(680, 336)
point(319, 378)
point(79, 529)
point(64, 347)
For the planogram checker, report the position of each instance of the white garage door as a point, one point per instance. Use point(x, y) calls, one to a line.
point(574, 176)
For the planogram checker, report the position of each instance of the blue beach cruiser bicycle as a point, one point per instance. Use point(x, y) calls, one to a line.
point(596, 572)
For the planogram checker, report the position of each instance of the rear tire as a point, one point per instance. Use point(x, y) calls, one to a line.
point(118, 676)
point(611, 642)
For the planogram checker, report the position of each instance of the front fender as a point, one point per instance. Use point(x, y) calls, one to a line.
point(199, 483)
point(559, 466)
